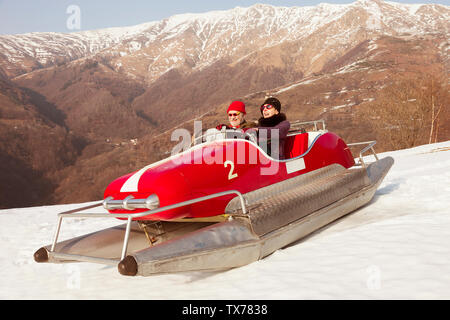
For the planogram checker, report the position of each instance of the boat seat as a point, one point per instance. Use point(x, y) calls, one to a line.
point(295, 145)
point(298, 144)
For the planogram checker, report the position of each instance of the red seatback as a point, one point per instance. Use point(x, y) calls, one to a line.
point(296, 145)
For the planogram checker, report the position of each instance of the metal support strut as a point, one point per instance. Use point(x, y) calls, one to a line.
point(370, 145)
point(130, 216)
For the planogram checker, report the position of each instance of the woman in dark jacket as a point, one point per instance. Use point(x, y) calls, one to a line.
point(272, 125)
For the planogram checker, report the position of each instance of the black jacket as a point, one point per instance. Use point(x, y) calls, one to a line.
point(277, 122)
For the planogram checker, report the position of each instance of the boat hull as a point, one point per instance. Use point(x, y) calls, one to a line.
point(277, 216)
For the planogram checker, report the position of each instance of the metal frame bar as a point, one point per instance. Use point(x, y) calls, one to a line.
point(79, 258)
point(222, 134)
point(314, 122)
point(370, 145)
point(75, 214)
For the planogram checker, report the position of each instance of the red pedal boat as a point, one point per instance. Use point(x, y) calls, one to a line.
point(218, 166)
point(224, 203)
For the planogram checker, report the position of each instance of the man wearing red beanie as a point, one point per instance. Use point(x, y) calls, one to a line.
point(237, 106)
point(236, 114)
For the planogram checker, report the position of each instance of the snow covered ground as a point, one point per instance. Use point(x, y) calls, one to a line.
point(397, 247)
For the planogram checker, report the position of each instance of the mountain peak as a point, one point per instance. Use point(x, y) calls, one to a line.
point(200, 39)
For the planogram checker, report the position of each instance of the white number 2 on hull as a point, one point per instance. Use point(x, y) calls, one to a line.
point(231, 175)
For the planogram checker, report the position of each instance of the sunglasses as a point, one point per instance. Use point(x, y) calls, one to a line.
point(234, 114)
point(267, 106)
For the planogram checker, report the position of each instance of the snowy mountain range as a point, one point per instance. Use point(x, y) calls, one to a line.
point(194, 41)
point(84, 96)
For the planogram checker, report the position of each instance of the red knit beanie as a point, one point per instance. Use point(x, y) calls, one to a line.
point(237, 106)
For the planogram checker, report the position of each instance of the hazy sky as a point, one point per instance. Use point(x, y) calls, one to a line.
point(21, 16)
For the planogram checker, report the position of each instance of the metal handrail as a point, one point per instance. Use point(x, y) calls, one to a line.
point(370, 145)
point(74, 214)
point(222, 135)
point(314, 122)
